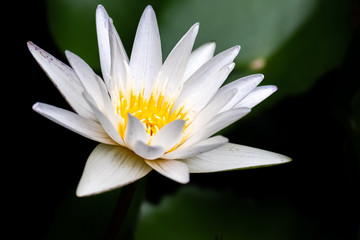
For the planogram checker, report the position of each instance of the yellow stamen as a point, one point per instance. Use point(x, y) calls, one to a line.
point(154, 112)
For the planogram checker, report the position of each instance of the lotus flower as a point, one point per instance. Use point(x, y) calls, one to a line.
point(153, 115)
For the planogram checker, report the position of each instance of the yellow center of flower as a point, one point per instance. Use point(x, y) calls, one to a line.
point(154, 112)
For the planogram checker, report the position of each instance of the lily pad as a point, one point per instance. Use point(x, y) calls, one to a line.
point(259, 26)
point(292, 42)
point(199, 214)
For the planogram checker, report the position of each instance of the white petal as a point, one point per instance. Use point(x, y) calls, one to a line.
point(104, 29)
point(135, 131)
point(171, 73)
point(94, 86)
point(198, 58)
point(207, 80)
point(256, 96)
point(211, 109)
point(120, 70)
point(175, 170)
point(231, 157)
point(147, 151)
point(111, 127)
point(74, 122)
point(110, 167)
point(65, 79)
point(219, 122)
point(146, 56)
point(169, 135)
point(244, 86)
point(91, 82)
point(201, 147)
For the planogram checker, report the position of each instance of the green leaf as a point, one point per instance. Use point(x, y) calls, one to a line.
point(259, 26)
point(72, 23)
point(292, 42)
point(317, 47)
point(197, 214)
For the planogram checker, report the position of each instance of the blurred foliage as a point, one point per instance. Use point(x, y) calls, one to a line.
point(197, 214)
point(285, 40)
point(259, 26)
point(297, 45)
point(72, 23)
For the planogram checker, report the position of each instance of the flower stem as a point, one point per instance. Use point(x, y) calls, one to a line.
point(121, 209)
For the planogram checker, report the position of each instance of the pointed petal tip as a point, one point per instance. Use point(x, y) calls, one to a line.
point(148, 152)
point(100, 8)
point(68, 54)
point(275, 88)
point(271, 88)
point(246, 109)
point(233, 51)
point(38, 107)
point(229, 66)
point(284, 159)
point(30, 43)
point(32, 46)
point(280, 159)
point(149, 12)
point(211, 45)
point(196, 27)
point(259, 75)
point(83, 191)
point(178, 123)
point(173, 169)
point(185, 180)
point(149, 8)
point(169, 135)
point(35, 107)
point(194, 30)
point(101, 13)
point(255, 78)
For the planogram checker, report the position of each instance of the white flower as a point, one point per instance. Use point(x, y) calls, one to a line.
point(148, 114)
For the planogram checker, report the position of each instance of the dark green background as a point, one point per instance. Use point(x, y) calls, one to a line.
point(311, 50)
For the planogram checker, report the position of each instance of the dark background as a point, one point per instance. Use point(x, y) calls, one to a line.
point(318, 129)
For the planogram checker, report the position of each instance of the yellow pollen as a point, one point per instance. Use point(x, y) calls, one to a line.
point(154, 112)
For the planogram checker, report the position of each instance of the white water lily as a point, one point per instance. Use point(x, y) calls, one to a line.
point(148, 114)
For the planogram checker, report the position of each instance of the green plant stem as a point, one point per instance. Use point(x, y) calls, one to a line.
point(121, 209)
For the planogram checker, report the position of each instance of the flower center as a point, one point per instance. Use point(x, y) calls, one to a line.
point(154, 112)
